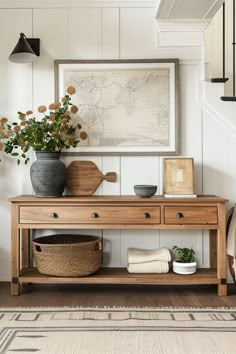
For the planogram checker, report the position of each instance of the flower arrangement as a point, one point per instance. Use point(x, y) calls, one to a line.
point(57, 130)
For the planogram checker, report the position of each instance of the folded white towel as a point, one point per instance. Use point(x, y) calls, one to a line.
point(149, 267)
point(138, 255)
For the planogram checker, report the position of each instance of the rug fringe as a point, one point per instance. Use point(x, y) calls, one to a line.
point(146, 308)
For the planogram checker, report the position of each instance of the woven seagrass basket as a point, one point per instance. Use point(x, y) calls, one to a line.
point(68, 255)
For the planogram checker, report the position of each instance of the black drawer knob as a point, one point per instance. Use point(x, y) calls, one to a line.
point(95, 215)
point(54, 215)
point(146, 215)
point(179, 215)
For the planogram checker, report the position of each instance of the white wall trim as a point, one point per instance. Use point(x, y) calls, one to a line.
point(11, 4)
point(183, 25)
point(221, 119)
point(181, 32)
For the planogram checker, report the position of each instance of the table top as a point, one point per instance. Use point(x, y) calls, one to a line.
point(119, 199)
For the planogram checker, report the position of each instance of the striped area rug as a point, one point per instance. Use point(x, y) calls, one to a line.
point(118, 330)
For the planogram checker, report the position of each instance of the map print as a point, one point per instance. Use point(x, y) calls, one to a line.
point(123, 108)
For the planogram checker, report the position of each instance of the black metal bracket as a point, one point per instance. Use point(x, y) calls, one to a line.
point(223, 281)
point(35, 45)
point(15, 280)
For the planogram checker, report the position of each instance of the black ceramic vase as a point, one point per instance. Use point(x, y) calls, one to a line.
point(48, 174)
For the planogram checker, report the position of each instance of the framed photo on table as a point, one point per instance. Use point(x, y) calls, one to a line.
point(178, 176)
point(126, 107)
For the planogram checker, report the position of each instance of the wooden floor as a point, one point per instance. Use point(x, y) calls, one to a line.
point(117, 295)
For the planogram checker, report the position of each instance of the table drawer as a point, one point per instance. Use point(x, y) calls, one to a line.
point(93, 215)
point(190, 215)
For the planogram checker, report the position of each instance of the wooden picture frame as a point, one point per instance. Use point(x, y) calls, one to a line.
point(127, 107)
point(178, 176)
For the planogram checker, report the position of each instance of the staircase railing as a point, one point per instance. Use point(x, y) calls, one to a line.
point(230, 98)
point(223, 78)
point(227, 60)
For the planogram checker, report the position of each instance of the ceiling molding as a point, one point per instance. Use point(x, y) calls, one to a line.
point(163, 7)
point(10, 4)
point(213, 10)
point(187, 9)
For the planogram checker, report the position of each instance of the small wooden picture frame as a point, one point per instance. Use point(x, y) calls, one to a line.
point(178, 176)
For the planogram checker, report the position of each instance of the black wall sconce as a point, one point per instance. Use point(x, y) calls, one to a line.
point(26, 50)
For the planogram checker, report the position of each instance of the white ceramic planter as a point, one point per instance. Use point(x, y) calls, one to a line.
point(184, 268)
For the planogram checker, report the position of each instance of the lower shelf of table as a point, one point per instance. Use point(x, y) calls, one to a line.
point(121, 276)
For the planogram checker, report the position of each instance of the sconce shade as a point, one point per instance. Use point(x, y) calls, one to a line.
point(26, 50)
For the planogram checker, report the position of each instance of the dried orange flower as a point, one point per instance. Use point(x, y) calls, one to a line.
point(3, 120)
point(71, 90)
point(74, 109)
point(62, 136)
point(52, 106)
point(83, 135)
point(28, 113)
point(21, 115)
point(52, 117)
point(19, 141)
point(42, 109)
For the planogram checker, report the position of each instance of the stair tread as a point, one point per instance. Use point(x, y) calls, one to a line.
point(228, 98)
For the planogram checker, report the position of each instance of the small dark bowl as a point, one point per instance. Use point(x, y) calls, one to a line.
point(145, 190)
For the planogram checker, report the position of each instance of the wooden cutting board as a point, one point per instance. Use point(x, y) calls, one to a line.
point(83, 177)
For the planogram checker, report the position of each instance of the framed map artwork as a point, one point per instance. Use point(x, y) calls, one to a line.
point(126, 107)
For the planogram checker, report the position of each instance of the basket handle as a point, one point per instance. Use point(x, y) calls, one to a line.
point(99, 245)
point(38, 248)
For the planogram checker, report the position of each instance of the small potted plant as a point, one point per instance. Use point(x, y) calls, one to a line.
point(185, 263)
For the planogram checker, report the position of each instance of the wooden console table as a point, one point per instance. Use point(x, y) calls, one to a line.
point(117, 212)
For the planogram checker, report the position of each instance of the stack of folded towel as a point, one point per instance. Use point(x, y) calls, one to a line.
point(148, 261)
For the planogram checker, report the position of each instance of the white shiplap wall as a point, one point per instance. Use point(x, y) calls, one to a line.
point(95, 32)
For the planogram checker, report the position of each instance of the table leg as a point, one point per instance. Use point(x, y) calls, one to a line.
point(213, 248)
point(15, 250)
point(25, 248)
point(221, 251)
